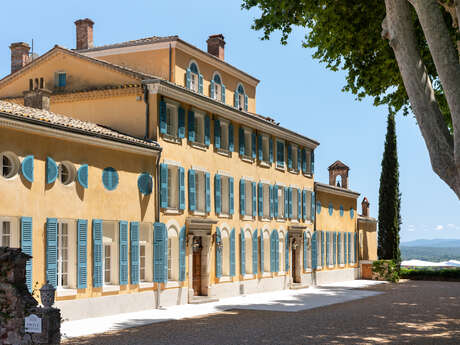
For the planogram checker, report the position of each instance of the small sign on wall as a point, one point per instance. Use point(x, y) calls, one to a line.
point(33, 324)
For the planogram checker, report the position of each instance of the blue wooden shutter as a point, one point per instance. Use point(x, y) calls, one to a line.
point(312, 162)
point(312, 206)
point(290, 202)
point(350, 259)
point(246, 102)
point(254, 199)
point(322, 249)
point(314, 251)
point(82, 243)
point(270, 192)
point(181, 123)
point(328, 248)
point(230, 138)
point(164, 185)
point(304, 205)
point(356, 247)
point(304, 161)
point(182, 243)
point(275, 201)
point(207, 130)
point(188, 78)
point(242, 197)
point(82, 175)
point(261, 251)
point(97, 253)
point(162, 114)
point(345, 258)
point(255, 252)
point(253, 146)
point(51, 250)
point(286, 252)
point(213, 88)
point(241, 141)
point(51, 170)
point(339, 249)
point(145, 183)
point(242, 253)
point(272, 251)
point(27, 168)
point(232, 252)
point(334, 248)
point(217, 130)
point(181, 188)
point(191, 190)
point(222, 90)
point(270, 149)
point(261, 200)
point(217, 193)
point(134, 243)
point(277, 252)
point(123, 228)
point(191, 125)
point(200, 83)
point(299, 205)
point(160, 274)
point(289, 153)
point(259, 147)
point(231, 196)
point(305, 251)
point(299, 159)
point(236, 100)
point(26, 247)
point(286, 202)
point(208, 191)
point(218, 254)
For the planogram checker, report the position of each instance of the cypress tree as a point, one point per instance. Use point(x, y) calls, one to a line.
point(389, 198)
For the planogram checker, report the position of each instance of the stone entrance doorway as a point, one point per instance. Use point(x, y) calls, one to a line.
point(295, 271)
point(196, 270)
point(296, 245)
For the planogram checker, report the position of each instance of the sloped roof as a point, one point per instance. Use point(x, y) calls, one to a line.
point(141, 41)
point(66, 123)
point(338, 164)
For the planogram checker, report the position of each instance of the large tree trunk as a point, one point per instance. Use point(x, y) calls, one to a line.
point(399, 30)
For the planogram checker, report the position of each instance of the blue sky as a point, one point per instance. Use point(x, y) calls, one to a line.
point(295, 90)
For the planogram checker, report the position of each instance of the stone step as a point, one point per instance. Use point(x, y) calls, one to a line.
point(202, 299)
point(298, 286)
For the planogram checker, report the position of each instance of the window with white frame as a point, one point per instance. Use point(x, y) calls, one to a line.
point(266, 200)
point(241, 98)
point(294, 157)
point(248, 251)
point(200, 187)
point(217, 82)
point(173, 186)
point(9, 164)
point(110, 268)
point(6, 234)
point(248, 142)
point(308, 205)
point(224, 134)
point(265, 149)
point(225, 253)
point(308, 156)
point(248, 198)
point(199, 127)
point(193, 77)
point(146, 252)
point(173, 254)
point(295, 203)
point(281, 252)
point(225, 195)
point(266, 267)
point(280, 202)
point(66, 254)
point(9, 232)
point(280, 154)
point(171, 120)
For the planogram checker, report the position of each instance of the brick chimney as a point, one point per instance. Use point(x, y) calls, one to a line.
point(84, 33)
point(216, 45)
point(38, 98)
point(19, 55)
point(365, 205)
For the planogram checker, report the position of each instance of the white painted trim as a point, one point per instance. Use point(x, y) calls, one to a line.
point(192, 60)
point(171, 162)
point(247, 178)
point(224, 173)
point(172, 284)
point(224, 279)
point(110, 288)
point(194, 167)
point(130, 49)
point(173, 223)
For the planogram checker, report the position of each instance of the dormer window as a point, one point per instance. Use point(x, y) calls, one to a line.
point(194, 80)
point(217, 88)
point(240, 98)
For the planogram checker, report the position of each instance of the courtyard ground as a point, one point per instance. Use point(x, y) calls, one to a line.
point(411, 312)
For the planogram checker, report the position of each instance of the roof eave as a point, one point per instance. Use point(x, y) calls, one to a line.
point(326, 188)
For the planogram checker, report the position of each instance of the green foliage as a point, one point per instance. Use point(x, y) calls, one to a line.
point(431, 274)
point(389, 198)
point(430, 253)
point(386, 269)
point(346, 35)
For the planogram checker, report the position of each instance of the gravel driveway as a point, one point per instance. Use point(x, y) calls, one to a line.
point(411, 312)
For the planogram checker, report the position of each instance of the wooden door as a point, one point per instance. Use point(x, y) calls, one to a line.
point(294, 266)
point(197, 272)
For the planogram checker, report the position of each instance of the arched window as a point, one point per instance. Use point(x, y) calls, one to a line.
point(194, 80)
point(248, 251)
point(173, 254)
point(266, 251)
point(225, 253)
point(281, 252)
point(217, 88)
point(241, 99)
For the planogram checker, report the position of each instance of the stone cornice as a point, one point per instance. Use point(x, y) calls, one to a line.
point(95, 94)
point(321, 187)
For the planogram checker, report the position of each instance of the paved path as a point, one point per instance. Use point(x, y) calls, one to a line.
point(413, 312)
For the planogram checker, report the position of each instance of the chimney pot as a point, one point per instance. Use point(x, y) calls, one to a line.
point(19, 55)
point(84, 30)
point(216, 45)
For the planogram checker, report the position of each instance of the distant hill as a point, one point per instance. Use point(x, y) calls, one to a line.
point(434, 254)
point(436, 243)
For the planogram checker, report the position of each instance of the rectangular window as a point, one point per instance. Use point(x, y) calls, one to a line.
point(308, 154)
point(60, 79)
point(171, 120)
point(10, 233)
point(194, 82)
point(6, 234)
point(280, 202)
point(200, 185)
point(266, 198)
point(111, 234)
point(308, 205)
point(295, 157)
point(241, 100)
point(223, 135)
point(248, 143)
point(107, 263)
point(248, 197)
point(63, 255)
point(295, 204)
point(225, 195)
point(142, 252)
point(170, 272)
point(265, 149)
point(173, 187)
point(146, 252)
point(199, 128)
point(280, 154)
point(217, 92)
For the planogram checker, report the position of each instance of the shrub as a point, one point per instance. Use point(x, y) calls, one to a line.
point(386, 270)
point(431, 274)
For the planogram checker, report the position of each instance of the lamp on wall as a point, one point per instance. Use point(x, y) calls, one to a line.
point(294, 245)
point(196, 246)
